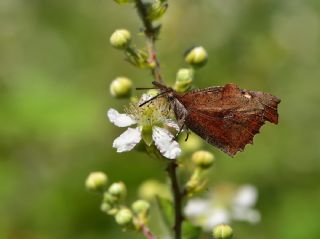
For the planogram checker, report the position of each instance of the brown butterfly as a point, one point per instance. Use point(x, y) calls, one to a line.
point(225, 116)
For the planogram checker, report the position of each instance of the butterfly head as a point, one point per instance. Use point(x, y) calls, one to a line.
point(168, 91)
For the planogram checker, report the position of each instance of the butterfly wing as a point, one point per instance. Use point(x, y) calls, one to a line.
point(228, 117)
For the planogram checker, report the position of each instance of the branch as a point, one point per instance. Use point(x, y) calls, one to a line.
point(177, 195)
point(151, 34)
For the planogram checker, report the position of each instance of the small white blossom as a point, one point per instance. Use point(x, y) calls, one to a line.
point(223, 206)
point(154, 115)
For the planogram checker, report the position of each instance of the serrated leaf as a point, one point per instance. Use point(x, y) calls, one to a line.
point(166, 209)
point(190, 231)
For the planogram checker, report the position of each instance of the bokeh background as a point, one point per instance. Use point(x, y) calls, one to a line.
point(55, 68)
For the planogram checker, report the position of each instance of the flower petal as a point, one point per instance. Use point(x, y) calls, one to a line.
point(244, 214)
point(127, 140)
point(144, 98)
point(246, 196)
point(197, 207)
point(172, 124)
point(165, 143)
point(217, 216)
point(120, 120)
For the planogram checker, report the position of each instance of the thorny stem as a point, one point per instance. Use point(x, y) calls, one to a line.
point(151, 34)
point(178, 196)
point(146, 231)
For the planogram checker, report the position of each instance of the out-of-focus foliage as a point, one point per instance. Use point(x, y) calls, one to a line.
point(55, 68)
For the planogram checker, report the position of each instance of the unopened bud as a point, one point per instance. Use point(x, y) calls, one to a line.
point(118, 190)
point(105, 207)
point(96, 181)
point(124, 217)
point(156, 9)
point(222, 231)
point(140, 206)
point(184, 80)
point(151, 188)
point(197, 56)
point(203, 159)
point(120, 39)
point(121, 87)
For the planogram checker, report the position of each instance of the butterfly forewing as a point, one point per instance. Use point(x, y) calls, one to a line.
point(228, 117)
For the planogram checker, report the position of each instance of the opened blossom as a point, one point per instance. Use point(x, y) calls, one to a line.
point(223, 206)
point(152, 122)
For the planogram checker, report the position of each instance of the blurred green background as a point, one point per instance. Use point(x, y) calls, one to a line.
point(55, 68)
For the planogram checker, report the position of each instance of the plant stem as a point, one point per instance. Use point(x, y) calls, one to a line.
point(177, 195)
point(146, 231)
point(151, 34)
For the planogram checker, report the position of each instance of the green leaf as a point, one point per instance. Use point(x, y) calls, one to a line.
point(166, 209)
point(190, 231)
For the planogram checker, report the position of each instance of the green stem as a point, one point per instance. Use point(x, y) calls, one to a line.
point(151, 34)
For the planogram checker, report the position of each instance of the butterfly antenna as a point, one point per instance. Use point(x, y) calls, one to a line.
point(145, 88)
point(154, 97)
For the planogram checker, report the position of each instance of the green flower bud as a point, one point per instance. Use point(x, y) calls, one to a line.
point(120, 39)
point(121, 87)
point(96, 181)
point(203, 159)
point(124, 217)
point(124, 1)
point(156, 9)
point(222, 231)
point(197, 56)
point(118, 190)
point(151, 188)
point(105, 207)
point(192, 144)
point(184, 80)
point(140, 206)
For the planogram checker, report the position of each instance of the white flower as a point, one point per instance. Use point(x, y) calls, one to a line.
point(224, 206)
point(154, 116)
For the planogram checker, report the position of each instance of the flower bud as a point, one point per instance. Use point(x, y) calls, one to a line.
point(197, 56)
point(120, 39)
point(123, 1)
point(105, 207)
point(203, 159)
point(184, 80)
point(118, 190)
point(151, 188)
point(222, 231)
point(140, 206)
point(156, 9)
point(124, 217)
point(96, 181)
point(121, 87)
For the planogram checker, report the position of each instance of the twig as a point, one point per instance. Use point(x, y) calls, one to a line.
point(151, 34)
point(177, 195)
point(146, 231)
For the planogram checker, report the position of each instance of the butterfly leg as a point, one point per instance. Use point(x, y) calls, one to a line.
point(180, 130)
point(187, 137)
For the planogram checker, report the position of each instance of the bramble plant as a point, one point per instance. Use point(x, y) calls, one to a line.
point(157, 130)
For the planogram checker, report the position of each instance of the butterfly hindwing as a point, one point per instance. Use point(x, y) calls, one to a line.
point(228, 117)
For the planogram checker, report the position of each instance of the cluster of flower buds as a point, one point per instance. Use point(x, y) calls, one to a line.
point(202, 160)
point(121, 39)
point(113, 202)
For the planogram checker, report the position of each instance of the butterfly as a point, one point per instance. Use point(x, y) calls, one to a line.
point(227, 117)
